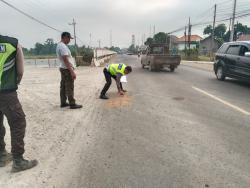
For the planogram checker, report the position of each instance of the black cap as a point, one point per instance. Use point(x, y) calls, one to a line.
point(66, 34)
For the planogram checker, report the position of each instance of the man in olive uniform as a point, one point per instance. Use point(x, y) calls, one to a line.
point(11, 72)
point(115, 71)
point(67, 69)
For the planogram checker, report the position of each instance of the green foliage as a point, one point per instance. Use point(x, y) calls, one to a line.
point(149, 41)
point(220, 30)
point(160, 38)
point(132, 49)
point(208, 30)
point(115, 49)
point(86, 53)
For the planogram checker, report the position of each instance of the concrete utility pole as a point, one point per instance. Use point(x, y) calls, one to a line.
point(111, 39)
point(212, 38)
point(185, 35)
point(90, 40)
point(154, 31)
point(233, 21)
point(99, 43)
point(74, 26)
point(189, 34)
point(150, 31)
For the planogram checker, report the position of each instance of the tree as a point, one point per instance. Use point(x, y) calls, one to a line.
point(160, 38)
point(132, 48)
point(244, 29)
point(220, 31)
point(208, 30)
point(149, 41)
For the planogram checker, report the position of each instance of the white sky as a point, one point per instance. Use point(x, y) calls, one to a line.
point(99, 17)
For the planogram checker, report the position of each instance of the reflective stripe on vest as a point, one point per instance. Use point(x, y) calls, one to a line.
point(116, 68)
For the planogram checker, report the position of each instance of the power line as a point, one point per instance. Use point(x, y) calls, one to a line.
point(29, 16)
point(35, 19)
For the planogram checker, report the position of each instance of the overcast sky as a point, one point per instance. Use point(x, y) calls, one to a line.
point(99, 17)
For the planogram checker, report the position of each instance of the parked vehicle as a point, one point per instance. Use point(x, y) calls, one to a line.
point(233, 60)
point(157, 56)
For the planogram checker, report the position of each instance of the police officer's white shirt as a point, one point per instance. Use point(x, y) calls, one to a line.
point(63, 50)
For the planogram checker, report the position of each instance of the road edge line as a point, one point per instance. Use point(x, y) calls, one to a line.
point(222, 101)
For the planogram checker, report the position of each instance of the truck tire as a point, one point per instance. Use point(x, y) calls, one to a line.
point(142, 65)
point(172, 68)
point(151, 68)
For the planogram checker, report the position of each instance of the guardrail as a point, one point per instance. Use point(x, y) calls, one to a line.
point(102, 56)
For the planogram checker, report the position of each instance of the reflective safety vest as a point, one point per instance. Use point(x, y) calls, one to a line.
point(8, 72)
point(113, 69)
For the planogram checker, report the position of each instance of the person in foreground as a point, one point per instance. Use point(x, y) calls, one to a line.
point(115, 71)
point(11, 72)
point(68, 75)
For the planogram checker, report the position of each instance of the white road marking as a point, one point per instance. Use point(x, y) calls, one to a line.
point(222, 101)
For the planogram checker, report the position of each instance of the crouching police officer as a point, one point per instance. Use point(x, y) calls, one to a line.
point(115, 71)
point(11, 72)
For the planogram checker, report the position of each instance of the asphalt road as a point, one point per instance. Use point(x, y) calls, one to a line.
point(172, 130)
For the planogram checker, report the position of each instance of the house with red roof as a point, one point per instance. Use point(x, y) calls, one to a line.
point(194, 41)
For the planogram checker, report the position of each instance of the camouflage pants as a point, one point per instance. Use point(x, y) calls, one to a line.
point(67, 87)
point(12, 109)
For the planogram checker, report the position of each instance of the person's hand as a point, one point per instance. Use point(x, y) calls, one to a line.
point(73, 75)
point(121, 93)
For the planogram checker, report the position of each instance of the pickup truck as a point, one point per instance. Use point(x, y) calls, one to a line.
point(157, 56)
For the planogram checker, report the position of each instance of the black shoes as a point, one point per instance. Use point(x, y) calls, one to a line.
point(21, 164)
point(75, 106)
point(103, 97)
point(5, 158)
point(64, 105)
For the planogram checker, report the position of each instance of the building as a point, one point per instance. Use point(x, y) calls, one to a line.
point(205, 46)
point(244, 38)
point(194, 42)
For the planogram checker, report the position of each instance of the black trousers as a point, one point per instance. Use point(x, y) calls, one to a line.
point(108, 77)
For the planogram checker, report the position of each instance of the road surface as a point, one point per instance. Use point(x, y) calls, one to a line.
point(175, 130)
point(171, 130)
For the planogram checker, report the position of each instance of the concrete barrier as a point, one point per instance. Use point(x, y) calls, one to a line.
point(102, 56)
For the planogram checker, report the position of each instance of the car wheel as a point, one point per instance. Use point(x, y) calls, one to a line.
point(220, 73)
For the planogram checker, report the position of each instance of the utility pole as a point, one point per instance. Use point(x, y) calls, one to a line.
point(154, 30)
point(150, 31)
point(90, 40)
point(189, 34)
point(233, 20)
point(212, 38)
point(74, 26)
point(111, 40)
point(99, 43)
point(185, 35)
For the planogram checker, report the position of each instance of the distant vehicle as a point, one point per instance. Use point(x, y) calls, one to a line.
point(233, 60)
point(157, 56)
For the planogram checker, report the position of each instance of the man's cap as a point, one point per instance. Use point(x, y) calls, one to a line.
point(66, 34)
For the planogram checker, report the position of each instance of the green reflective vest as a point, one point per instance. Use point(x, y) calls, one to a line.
point(8, 73)
point(116, 68)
